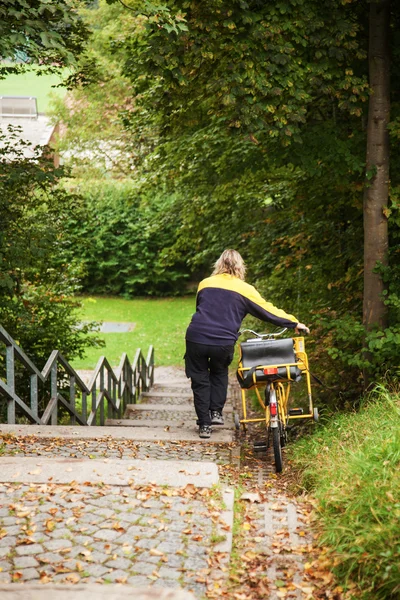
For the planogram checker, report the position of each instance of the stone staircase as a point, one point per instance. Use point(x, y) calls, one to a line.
point(122, 504)
point(166, 412)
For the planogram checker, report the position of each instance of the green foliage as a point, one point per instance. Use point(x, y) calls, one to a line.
point(94, 141)
point(250, 118)
point(45, 32)
point(120, 235)
point(255, 68)
point(351, 466)
point(36, 284)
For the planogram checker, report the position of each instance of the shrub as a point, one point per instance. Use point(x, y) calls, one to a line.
point(37, 284)
point(120, 237)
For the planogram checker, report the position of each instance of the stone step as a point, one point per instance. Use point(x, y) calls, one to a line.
point(166, 407)
point(89, 591)
point(168, 383)
point(139, 434)
point(168, 394)
point(109, 471)
point(184, 424)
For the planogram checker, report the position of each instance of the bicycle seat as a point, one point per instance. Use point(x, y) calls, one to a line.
point(257, 354)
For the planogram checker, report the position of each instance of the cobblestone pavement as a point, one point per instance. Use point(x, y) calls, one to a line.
point(111, 448)
point(71, 534)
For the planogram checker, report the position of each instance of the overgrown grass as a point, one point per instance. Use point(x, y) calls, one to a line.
point(158, 322)
point(352, 466)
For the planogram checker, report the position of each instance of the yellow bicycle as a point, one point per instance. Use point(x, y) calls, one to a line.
point(271, 366)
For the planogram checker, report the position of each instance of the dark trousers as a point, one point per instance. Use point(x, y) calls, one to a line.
point(207, 367)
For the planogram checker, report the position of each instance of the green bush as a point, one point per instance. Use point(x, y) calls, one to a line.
point(120, 237)
point(352, 468)
point(37, 283)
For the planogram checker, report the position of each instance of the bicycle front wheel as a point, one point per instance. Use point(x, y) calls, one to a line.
point(276, 443)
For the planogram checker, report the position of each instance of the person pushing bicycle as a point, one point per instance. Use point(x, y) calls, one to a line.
point(223, 300)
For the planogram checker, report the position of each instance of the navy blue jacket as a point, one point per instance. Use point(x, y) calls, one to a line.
point(222, 303)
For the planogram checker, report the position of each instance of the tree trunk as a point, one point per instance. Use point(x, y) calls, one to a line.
point(377, 167)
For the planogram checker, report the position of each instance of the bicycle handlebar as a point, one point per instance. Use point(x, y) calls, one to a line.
point(262, 336)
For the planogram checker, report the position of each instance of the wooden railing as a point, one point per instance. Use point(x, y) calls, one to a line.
point(50, 396)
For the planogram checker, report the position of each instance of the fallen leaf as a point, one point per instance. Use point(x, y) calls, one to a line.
point(251, 497)
point(50, 525)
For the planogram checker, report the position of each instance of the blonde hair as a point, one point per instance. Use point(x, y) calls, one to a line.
point(232, 263)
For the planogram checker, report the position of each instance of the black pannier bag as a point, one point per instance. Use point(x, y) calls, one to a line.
point(261, 353)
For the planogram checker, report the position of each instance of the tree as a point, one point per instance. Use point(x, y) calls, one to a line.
point(376, 194)
point(37, 284)
point(49, 33)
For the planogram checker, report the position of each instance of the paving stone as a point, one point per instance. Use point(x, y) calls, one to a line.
point(149, 558)
point(8, 541)
point(29, 574)
point(146, 543)
point(115, 575)
point(4, 551)
point(44, 508)
point(80, 539)
point(58, 544)
point(138, 581)
point(142, 568)
point(62, 532)
point(23, 562)
point(194, 564)
point(118, 563)
point(169, 547)
point(154, 504)
point(97, 556)
point(5, 565)
point(49, 557)
point(5, 578)
point(96, 570)
point(197, 589)
point(13, 529)
point(108, 535)
point(169, 583)
point(40, 537)
point(169, 573)
point(86, 529)
point(31, 549)
point(104, 512)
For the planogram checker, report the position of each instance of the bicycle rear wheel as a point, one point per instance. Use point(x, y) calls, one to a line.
point(276, 442)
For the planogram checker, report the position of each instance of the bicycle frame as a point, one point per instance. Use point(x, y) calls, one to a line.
point(284, 390)
point(275, 380)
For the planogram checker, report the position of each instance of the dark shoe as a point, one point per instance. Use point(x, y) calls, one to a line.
point(204, 431)
point(217, 418)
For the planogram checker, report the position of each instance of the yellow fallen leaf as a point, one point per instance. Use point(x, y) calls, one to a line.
point(73, 578)
point(50, 525)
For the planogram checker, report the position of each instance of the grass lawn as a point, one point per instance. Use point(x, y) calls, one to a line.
point(159, 322)
point(30, 84)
